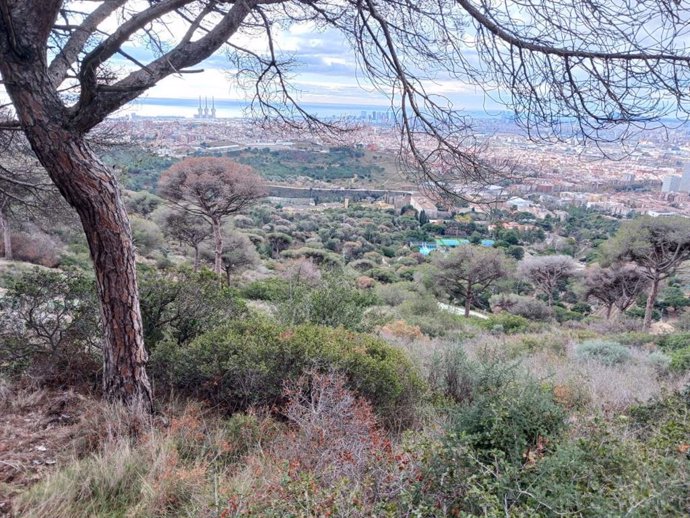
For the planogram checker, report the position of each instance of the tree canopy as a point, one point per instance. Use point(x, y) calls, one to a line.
point(212, 188)
point(468, 270)
point(657, 245)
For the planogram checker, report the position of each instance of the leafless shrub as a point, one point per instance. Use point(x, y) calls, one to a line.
point(335, 434)
point(36, 248)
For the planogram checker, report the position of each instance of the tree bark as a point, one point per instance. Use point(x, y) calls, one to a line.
point(649, 308)
point(91, 188)
point(197, 261)
point(218, 240)
point(609, 308)
point(468, 301)
point(6, 237)
point(106, 225)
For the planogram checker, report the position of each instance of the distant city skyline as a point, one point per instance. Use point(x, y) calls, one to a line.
point(149, 105)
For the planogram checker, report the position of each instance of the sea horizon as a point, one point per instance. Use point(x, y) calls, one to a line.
point(235, 108)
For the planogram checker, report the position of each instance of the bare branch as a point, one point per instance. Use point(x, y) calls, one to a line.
point(95, 104)
point(75, 44)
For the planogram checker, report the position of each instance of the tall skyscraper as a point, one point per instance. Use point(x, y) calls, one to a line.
point(684, 184)
point(670, 183)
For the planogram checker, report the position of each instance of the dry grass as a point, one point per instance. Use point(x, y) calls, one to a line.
point(330, 458)
point(603, 388)
point(588, 386)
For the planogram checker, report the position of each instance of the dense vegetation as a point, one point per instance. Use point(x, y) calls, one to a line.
point(334, 163)
point(329, 372)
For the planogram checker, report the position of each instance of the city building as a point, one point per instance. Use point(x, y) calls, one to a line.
point(684, 185)
point(670, 183)
point(203, 112)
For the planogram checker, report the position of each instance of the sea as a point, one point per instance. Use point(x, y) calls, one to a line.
point(231, 108)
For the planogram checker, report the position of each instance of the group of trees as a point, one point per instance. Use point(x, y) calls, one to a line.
point(657, 246)
point(636, 260)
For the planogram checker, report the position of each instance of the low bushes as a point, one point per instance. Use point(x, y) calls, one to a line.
point(505, 415)
point(247, 363)
point(677, 346)
point(680, 360)
point(674, 342)
point(505, 323)
point(494, 407)
point(527, 307)
point(272, 290)
point(395, 294)
point(50, 321)
point(182, 305)
point(333, 302)
point(424, 312)
point(603, 351)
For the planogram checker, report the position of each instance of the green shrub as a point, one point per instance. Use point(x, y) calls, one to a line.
point(680, 360)
point(602, 351)
point(246, 363)
point(50, 320)
point(683, 322)
point(564, 314)
point(506, 415)
point(394, 294)
point(147, 235)
point(659, 361)
point(505, 322)
point(452, 375)
point(182, 305)
point(424, 311)
point(334, 302)
point(443, 324)
point(423, 305)
point(605, 476)
point(551, 341)
point(674, 342)
point(634, 338)
point(639, 470)
point(383, 275)
point(497, 409)
point(272, 290)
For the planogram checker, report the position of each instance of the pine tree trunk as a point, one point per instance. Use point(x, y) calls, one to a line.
point(91, 188)
point(609, 308)
point(468, 301)
point(6, 237)
point(218, 240)
point(106, 225)
point(197, 262)
point(649, 309)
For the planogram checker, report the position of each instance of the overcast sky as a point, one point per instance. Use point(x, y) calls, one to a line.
point(325, 72)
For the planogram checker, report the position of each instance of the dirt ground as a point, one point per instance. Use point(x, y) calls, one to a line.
point(39, 430)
